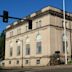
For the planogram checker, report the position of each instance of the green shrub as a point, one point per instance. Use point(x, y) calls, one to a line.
point(70, 62)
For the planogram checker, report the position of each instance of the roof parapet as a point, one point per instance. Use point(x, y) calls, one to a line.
point(45, 9)
point(23, 19)
point(15, 23)
point(8, 26)
point(50, 8)
point(32, 15)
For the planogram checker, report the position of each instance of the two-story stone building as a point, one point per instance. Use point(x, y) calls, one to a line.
point(33, 47)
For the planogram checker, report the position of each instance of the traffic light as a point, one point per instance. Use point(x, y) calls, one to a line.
point(5, 16)
point(29, 24)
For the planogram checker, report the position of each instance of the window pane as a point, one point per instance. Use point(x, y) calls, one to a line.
point(3, 64)
point(26, 62)
point(26, 27)
point(64, 46)
point(17, 61)
point(27, 49)
point(38, 62)
point(40, 23)
point(38, 47)
point(9, 62)
point(36, 24)
point(18, 50)
point(11, 33)
point(19, 31)
point(10, 51)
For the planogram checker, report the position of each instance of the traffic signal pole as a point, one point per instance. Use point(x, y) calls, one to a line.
point(6, 16)
point(12, 17)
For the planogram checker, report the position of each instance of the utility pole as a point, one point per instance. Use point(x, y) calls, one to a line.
point(65, 37)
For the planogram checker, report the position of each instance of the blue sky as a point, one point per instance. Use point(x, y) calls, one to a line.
point(22, 8)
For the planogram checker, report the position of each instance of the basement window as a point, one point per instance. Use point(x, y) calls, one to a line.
point(38, 62)
point(27, 61)
point(9, 62)
point(17, 61)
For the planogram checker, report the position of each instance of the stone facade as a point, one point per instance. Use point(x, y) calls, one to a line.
point(47, 29)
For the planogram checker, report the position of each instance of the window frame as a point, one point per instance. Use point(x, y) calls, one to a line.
point(18, 30)
point(38, 48)
point(11, 52)
point(11, 33)
point(27, 49)
point(63, 46)
point(26, 61)
point(17, 62)
point(38, 61)
point(9, 62)
point(18, 50)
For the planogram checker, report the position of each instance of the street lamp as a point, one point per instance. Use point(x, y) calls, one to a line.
point(22, 49)
point(64, 24)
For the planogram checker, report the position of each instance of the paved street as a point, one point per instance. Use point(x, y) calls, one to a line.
point(62, 68)
point(57, 70)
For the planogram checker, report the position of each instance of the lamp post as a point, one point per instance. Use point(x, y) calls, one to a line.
point(22, 49)
point(64, 24)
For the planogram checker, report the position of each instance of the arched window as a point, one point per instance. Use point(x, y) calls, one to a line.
point(38, 44)
point(38, 38)
point(27, 40)
point(27, 46)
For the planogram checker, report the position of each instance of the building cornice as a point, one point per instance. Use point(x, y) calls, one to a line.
point(47, 10)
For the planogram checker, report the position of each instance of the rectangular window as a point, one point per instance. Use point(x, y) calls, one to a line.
point(26, 27)
point(11, 51)
point(37, 61)
point(38, 47)
point(11, 33)
point(3, 64)
point(40, 23)
point(27, 49)
point(36, 24)
point(18, 30)
point(17, 61)
point(30, 24)
point(64, 46)
point(18, 50)
point(27, 61)
point(9, 62)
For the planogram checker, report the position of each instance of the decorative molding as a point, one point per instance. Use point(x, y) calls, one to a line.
point(43, 27)
point(52, 11)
